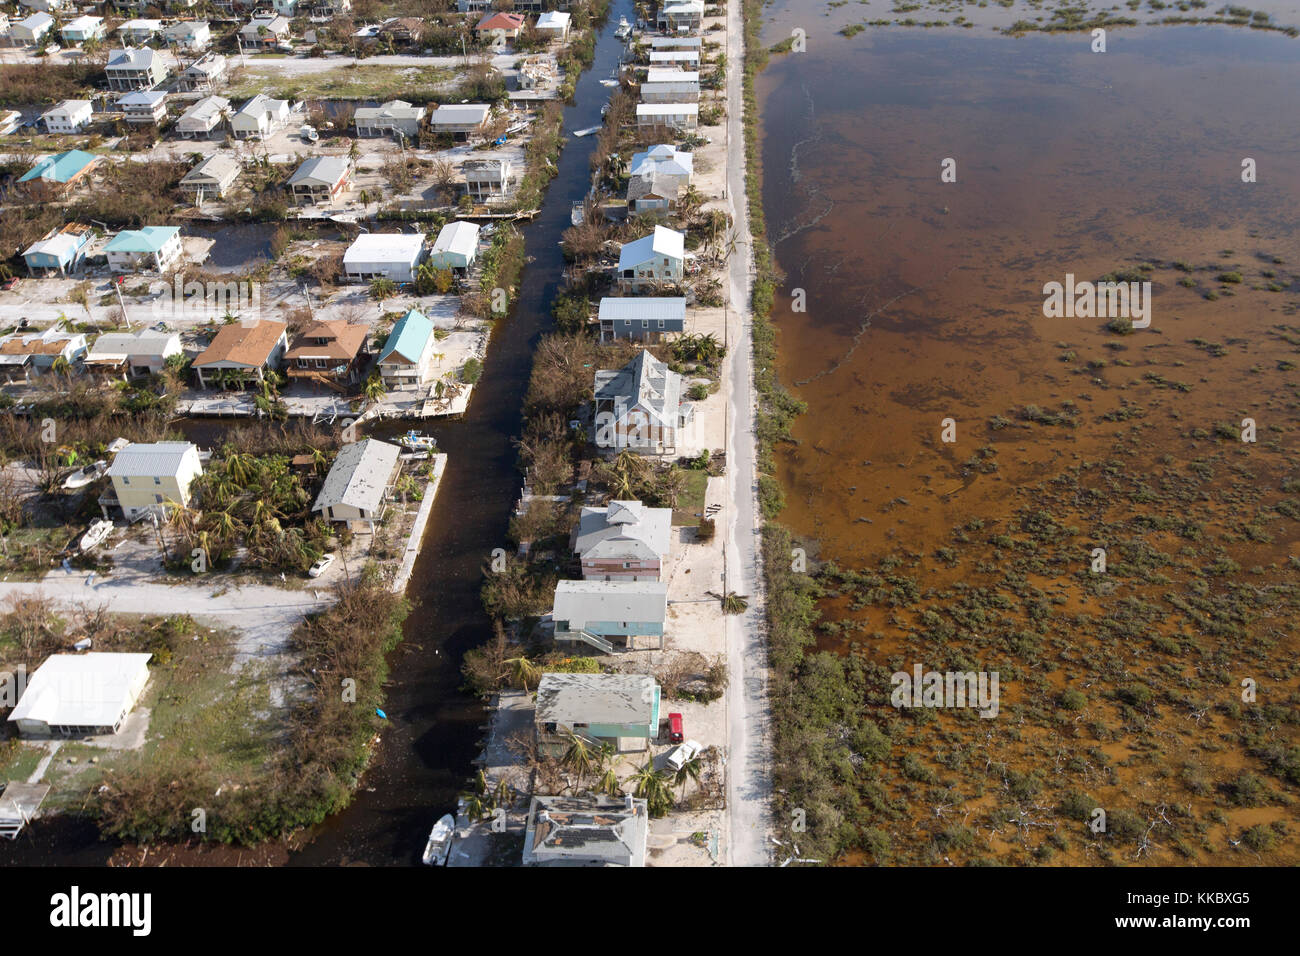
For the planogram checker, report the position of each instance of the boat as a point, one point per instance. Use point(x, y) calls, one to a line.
point(438, 848)
point(414, 441)
point(586, 132)
point(624, 28)
point(309, 134)
point(84, 476)
point(96, 534)
point(576, 213)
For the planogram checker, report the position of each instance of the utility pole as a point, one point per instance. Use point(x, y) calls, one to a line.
point(117, 287)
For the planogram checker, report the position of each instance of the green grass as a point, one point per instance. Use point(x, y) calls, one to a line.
point(360, 82)
point(690, 505)
point(18, 760)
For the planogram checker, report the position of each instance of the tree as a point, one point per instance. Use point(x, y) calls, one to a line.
point(651, 785)
point(578, 758)
point(524, 671)
point(607, 782)
point(688, 771)
point(382, 288)
point(374, 389)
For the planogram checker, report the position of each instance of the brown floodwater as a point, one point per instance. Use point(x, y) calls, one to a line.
point(924, 302)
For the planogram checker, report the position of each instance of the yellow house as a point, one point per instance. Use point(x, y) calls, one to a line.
point(147, 476)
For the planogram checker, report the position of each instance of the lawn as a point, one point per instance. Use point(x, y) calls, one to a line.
point(690, 505)
point(349, 82)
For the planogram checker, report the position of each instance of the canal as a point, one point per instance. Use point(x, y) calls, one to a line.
point(433, 732)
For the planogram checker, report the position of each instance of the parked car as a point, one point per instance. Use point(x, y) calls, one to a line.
point(11, 284)
point(679, 757)
point(317, 569)
point(675, 735)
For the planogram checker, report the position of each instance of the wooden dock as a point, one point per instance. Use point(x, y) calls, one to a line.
point(19, 805)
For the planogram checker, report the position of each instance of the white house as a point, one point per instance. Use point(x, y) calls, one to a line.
point(203, 117)
point(358, 483)
point(81, 695)
point(70, 116)
point(259, 117)
point(203, 73)
point(656, 259)
point(459, 119)
point(134, 69)
point(407, 355)
point(456, 247)
point(678, 116)
point(690, 58)
point(553, 24)
point(265, 31)
point(640, 407)
point(144, 106)
point(83, 30)
point(190, 35)
point(32, 29)
point(678, 16)
point(150, 248)
point(395, 116)
point(676, 92)
point(150, 477)
point(134, 354)
point(486, 178)
point(212, 178)
point(388, 255)
point(135, 32)
point(46, 6)
point(586, 830)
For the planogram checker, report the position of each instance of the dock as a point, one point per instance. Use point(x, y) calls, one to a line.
point(19, 805)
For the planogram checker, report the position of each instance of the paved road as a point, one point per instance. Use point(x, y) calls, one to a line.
point(749, 782)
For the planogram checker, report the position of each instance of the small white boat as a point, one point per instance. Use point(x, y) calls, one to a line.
point(609, 82)
point(438, 848)
point(309, 134)
point(624, 28)
point(84, 476)
point(586, 132)
point(414, 441)
point(576, 213)
point(96, 534)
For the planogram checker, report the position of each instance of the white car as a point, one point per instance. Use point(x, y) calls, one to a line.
point(317, 569)
point(683, 753)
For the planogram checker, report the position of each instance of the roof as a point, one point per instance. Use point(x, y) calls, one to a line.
point(61, 246)
point(204, 111)
point(49, 342)
point(672, 56)
point(84, 690)
point(151, 459)
point(586, 601)
point(344, 340)
point(657, 183)
point(261, 104)
point(82, 24)
point(501, 21)
point(37, 22)
point(552, 20)
point(659, 74)
point(409, 337)
point(393, 109)
point(359, 476)
point(662, 242)
point(645, 383)
point(321, 169)
point(664, 159)
point(61, 167)
point(591, 829)
point(624, 529)
point(146, 239)
point(140, 26)
point(635, 308)
point(130, 58)
point(70, 106)
point(218, 166)
point(459, 238)
point(459, 113)
point(186, 27)
point(384, 247)
point(142, 98)
point(273, 23)
point(240, 344)
point(144, 342)
point(595, 698)
point(667, 109)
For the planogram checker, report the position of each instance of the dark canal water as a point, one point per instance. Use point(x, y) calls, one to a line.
point(433, 732)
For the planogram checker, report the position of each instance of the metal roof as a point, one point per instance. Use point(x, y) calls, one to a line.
point(359, 476)
point(151, 459)
point(662, 242)
point(584, 601)
point(408, 338)
point(595, 698)
point(591, 829)
point(459, 237)
point(633, 308)
point(321, 169)
point(624, 529)
point(61, 167)
point(384, 247)
point(146, 239)
point(82, 690)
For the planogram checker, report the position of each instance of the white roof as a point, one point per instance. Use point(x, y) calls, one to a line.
point(662, 242)
point(359, 476)
point(70, 107)
point(144, 342)
point(583, 602)
point(459, 237)
point(459, 113)
point(205, 110)
point(662, 159)
point(552, 20)
point(384, 247)
point(60, 246)
point(660, 74)
point(595, 698)
point(150, 459)
point(81, 24)
point(667, 109)
point(84, 690)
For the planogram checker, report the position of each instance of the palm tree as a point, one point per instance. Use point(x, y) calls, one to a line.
point(607, 783)
point(651, 785)
point(241, 466)
point(524, 671)
point(690, 770)
point(671, 484)
point(374, 389)
point(578, 757)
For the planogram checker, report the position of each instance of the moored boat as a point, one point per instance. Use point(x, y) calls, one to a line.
point(95, 534)
point(438, 847)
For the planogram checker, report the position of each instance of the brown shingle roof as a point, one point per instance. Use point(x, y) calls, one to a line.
point(345, 339)
point(249, 345)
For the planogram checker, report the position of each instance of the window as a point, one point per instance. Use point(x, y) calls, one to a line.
point(157, 480)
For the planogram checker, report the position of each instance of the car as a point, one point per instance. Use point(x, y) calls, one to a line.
point(675, 735)
point(679, 757)
point(317, 569)
point(11, 284)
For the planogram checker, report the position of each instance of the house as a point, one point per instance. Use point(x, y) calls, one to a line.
point(586, 830)
point(684, 91)
point(36, 352)
point(610, 615)
point(148, 249)
point(640, 407)
point(623, 541)
point(139, 32)
point(331, 352)
point(56, 175)
point(321, 179)
point(460, 119)
point(259, 117)
point(641, 318)
point(265, 31)
point(496, 25)
point(286, 8)
point(144, 107)
point(45, 6)
point(61, 250)
point(653, 260)
point(553, 24)
point(388, 255)
point(486, 179)
point(403, 30)
point(395, 116)
point(664, 160)
point(657, 178)
point(652, 193)
point(212, 178)
point(203, 118)
point(81, 695)
point(407, 355)
point(152, 477)
point(83, 30)
point(70, 116)
point(133, 354)
point(31, 30)
point(10, 121)
point(538, 71)
point(203, 73)
point(689, 57)
point(456, 247)
point(671, 74)
point(678, 16)
point(241, 353)
point(678, 116)
point(358, 484)
point(192, 35)
point(134, 69)
point(622, 709)
point(676, 43)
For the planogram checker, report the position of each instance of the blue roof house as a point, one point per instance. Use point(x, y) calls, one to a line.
point(407, 355)
point(54, 175)
point(155, 248)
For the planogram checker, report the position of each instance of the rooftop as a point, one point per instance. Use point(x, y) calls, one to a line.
point(595, 698)
point(359, 476)
point(150, 459)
